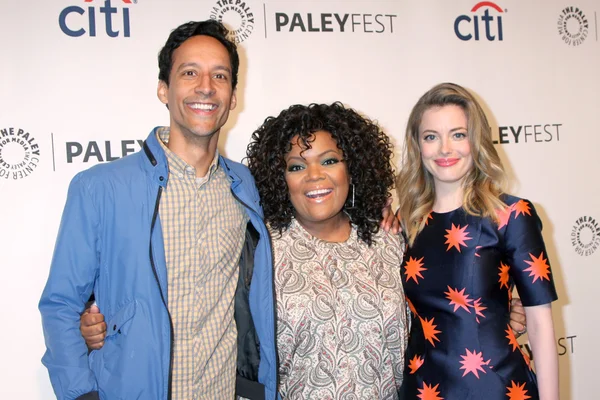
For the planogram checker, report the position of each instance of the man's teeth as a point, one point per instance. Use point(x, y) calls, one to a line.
point(317, 193)
point(201, 106)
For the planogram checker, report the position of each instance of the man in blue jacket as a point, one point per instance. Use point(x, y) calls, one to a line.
point(171, 243)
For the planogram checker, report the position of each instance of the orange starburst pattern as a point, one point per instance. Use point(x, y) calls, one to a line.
point(538, 267)
point(512, 340)
point(415, 363)
point(504, 216)
point(479, 307)
point(503, 275)
point(517, 392)
point(521, 207)
point(427, 218)
point(429, 392)
point(413, 269)
point(411, 306)
point(456, 237)
point(473, 362)
point(459, 299)
point(429, 330)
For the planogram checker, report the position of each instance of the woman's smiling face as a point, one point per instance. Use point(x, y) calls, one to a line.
point(318, 181)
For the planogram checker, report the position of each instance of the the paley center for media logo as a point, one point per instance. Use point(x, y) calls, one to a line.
point(573, 26)
point(585, 235)
point(98, 18)
point(19, 153)
point(237, 16)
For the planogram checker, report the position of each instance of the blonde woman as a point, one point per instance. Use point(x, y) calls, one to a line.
point(469, 244)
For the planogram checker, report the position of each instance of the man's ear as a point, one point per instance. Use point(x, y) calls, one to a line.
point(233, 102)
point(162, 91)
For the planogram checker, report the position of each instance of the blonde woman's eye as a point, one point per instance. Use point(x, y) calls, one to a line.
point(428, 138)
point(460, 135)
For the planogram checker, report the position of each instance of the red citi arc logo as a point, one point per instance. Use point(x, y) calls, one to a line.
point(75, 26)
point(468, 27)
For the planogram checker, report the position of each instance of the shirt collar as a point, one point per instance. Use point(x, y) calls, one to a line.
point(177, 166)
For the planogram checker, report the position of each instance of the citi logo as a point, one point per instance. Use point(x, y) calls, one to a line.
point(468, 27)
point(73, 22)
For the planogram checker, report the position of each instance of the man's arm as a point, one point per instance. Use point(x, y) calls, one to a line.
point(70, 283)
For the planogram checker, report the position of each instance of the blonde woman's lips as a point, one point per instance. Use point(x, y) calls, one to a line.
point(446, 162)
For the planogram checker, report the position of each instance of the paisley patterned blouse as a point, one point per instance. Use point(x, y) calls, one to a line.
point(341, 316)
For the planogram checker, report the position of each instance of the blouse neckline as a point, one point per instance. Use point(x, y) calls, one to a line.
point(295, 225)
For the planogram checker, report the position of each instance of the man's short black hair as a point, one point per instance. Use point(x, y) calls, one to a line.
point(183, 32)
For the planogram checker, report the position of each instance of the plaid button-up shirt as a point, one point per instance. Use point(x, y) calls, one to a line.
point(204, 229)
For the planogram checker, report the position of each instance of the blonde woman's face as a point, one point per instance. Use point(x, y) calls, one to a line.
point(444, 144)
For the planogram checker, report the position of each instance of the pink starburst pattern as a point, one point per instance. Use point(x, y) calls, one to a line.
point(473, 363)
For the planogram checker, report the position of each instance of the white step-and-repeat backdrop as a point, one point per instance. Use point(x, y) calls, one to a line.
point(78, 87)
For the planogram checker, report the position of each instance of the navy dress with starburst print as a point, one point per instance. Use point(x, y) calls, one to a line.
point(458, 277)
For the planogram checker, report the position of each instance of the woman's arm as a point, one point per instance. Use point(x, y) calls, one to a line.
point(543, 344)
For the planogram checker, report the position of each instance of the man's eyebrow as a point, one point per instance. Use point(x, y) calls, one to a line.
point(196, 65)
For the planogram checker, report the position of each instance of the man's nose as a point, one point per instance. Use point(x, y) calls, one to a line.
point(204, 85)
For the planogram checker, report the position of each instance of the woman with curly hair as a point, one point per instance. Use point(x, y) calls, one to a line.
point(469, 244)
point(324, 174)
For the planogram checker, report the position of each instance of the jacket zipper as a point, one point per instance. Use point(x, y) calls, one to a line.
point(274, 315)
point(274, 300)
point(162, 296)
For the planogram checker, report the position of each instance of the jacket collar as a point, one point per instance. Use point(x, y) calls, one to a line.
point(155, 160)
point(225, 163)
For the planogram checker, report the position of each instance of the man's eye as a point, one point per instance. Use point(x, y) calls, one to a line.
point(220, 76)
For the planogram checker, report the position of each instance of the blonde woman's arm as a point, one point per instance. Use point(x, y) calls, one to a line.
point(540, 328)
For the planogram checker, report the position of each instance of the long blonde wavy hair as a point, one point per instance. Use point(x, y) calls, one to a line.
point(482, 186)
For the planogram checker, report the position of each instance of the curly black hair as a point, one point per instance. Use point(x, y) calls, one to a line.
point(211, 28)
point(367, 153)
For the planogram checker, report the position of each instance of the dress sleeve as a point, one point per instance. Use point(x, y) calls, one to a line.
point(526, 255)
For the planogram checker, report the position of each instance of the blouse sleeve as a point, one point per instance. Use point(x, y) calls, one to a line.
point(526, 255)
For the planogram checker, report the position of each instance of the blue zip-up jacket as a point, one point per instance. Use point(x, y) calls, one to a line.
point(110, 244)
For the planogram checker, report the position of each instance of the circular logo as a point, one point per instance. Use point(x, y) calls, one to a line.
point(573, 26)
point(237, 16)
point(585, 236)
point(19, 153)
